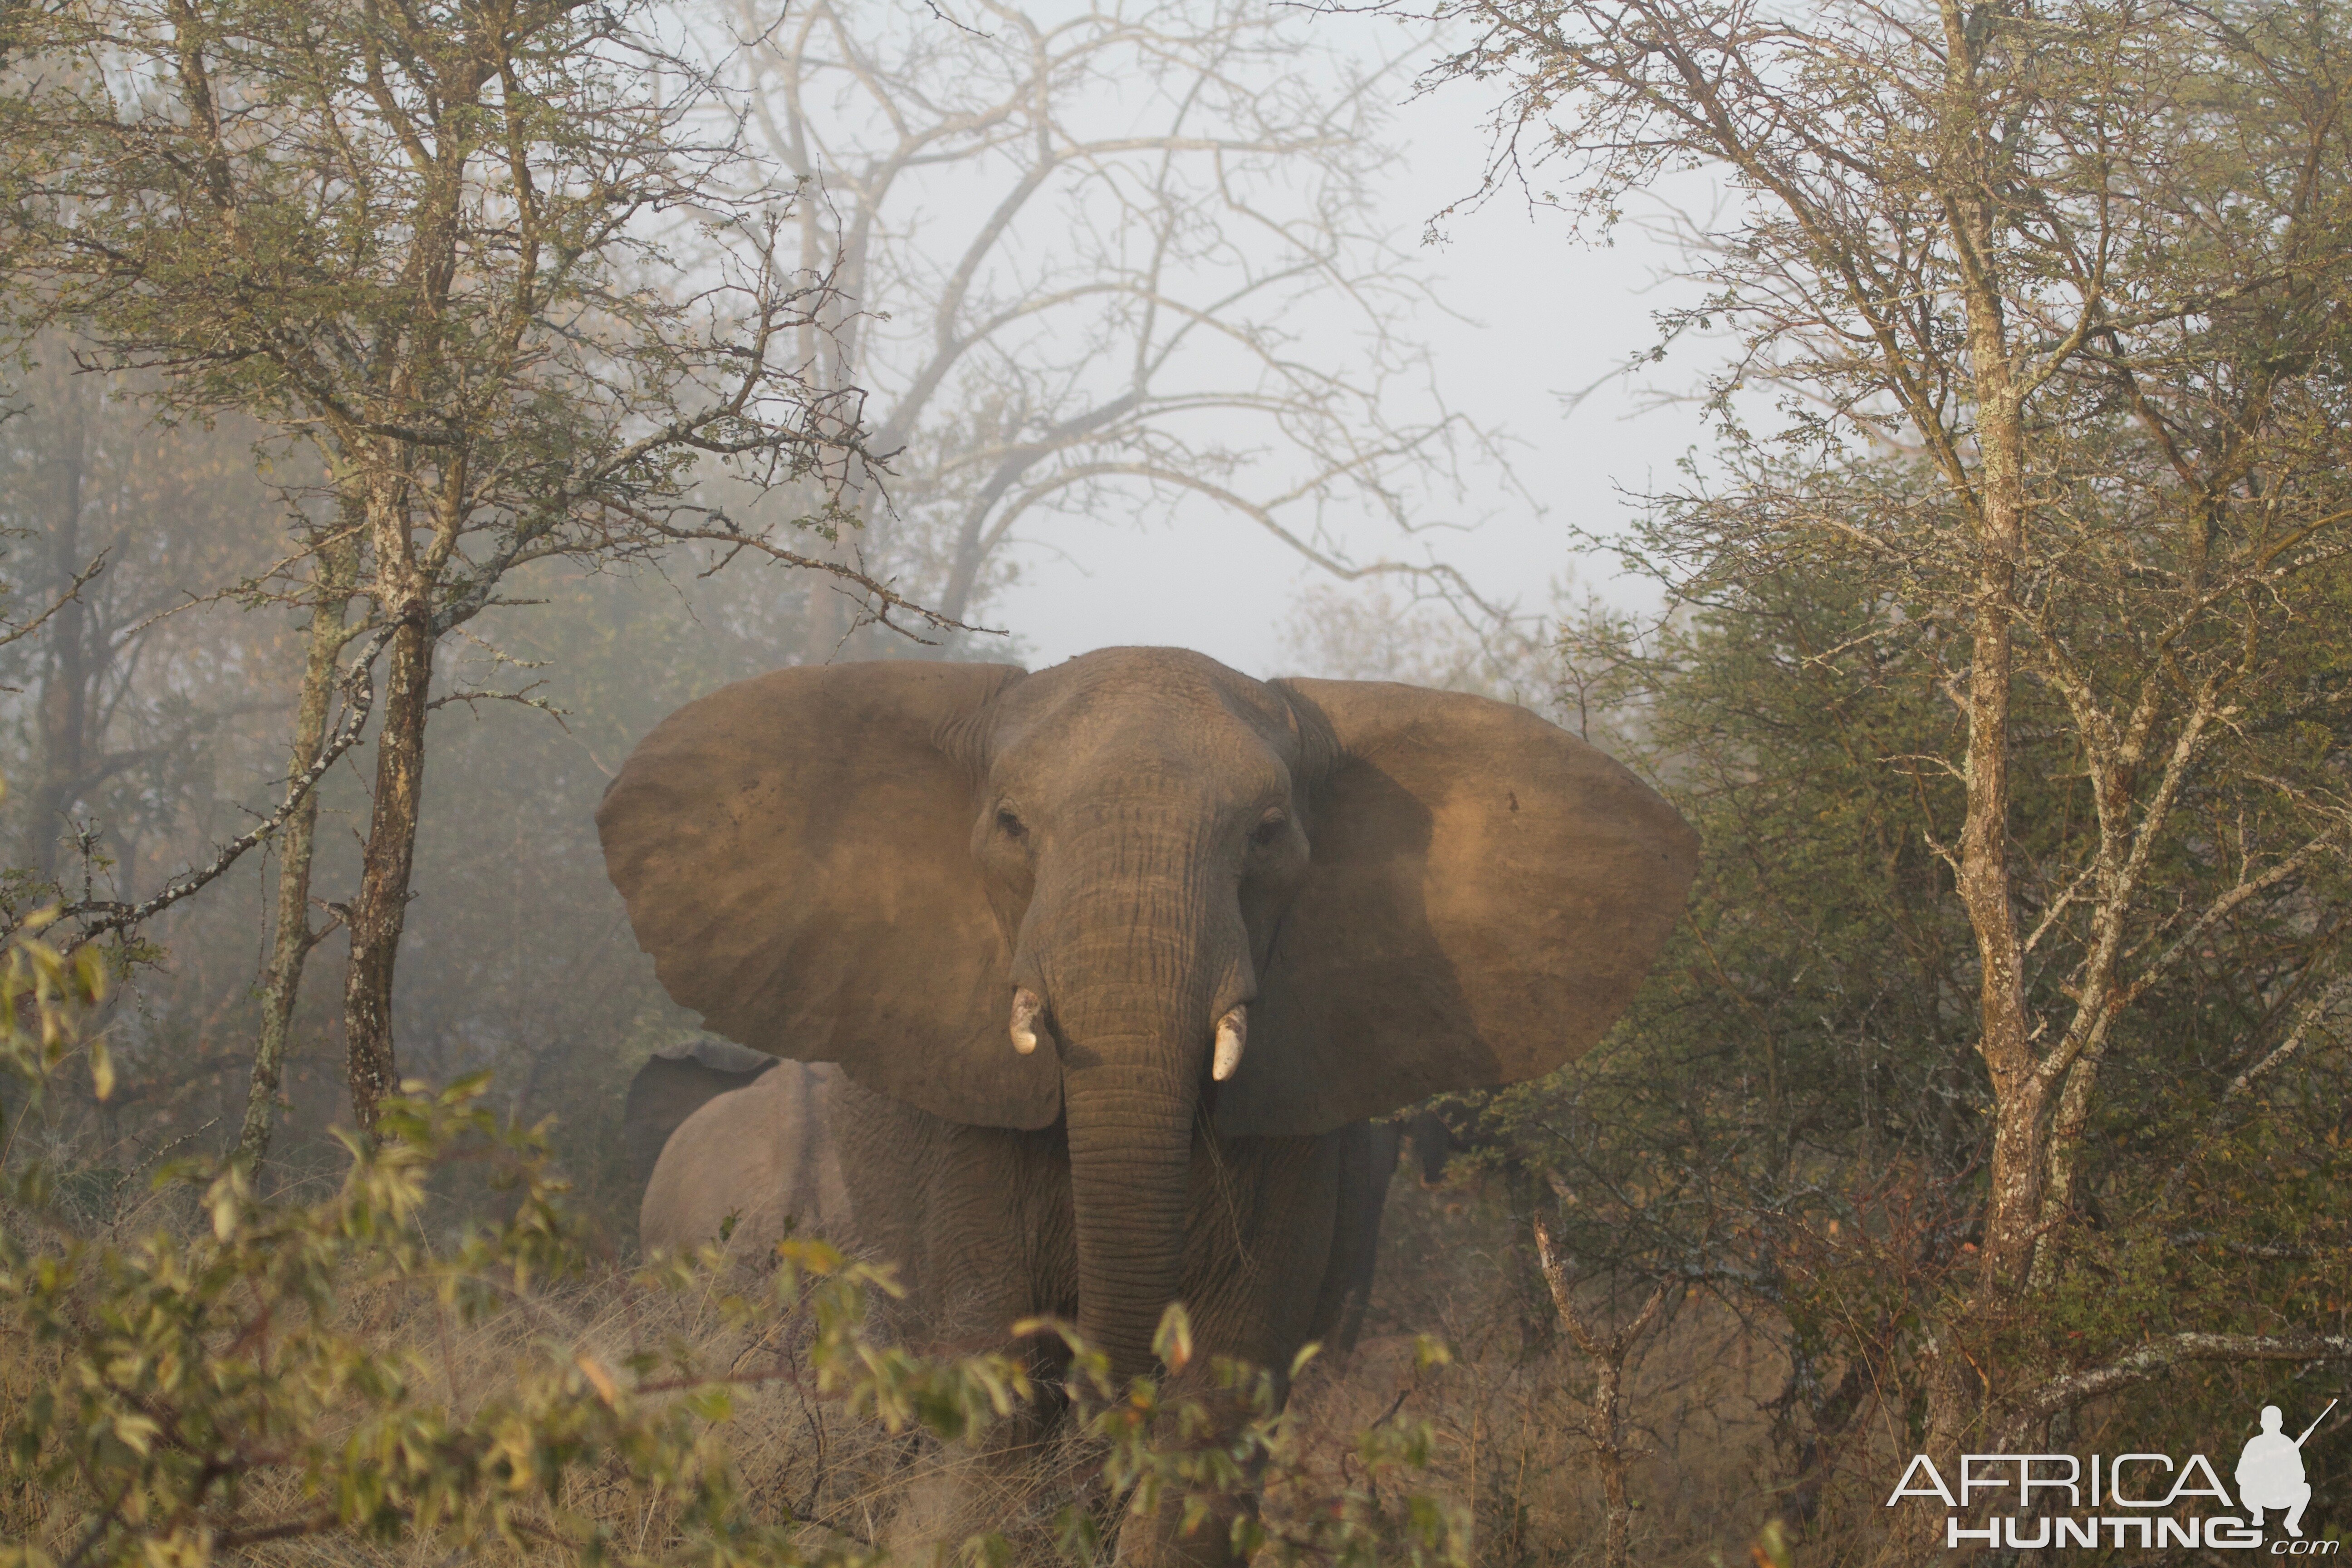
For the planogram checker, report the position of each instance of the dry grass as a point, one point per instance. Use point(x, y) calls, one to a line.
point(798, 1456)
point(1507, 1412)
point(1509, 1409)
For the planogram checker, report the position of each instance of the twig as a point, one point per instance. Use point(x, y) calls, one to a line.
point(359, 686)
point(2156, 1357)
point(889, 598)
point(72, 592)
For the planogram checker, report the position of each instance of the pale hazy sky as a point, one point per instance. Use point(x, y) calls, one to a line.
point(1548, 314)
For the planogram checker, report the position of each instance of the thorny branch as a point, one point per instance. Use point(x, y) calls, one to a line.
point(359, 688)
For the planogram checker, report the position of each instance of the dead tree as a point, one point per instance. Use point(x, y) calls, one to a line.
point(1088, 267)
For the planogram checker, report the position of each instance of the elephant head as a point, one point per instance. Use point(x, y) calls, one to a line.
point(1136, 892)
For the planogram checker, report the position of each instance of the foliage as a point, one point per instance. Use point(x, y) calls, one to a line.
point(213, 1386)
point(196, 1395)
point(1999, 682)
point(1792, 1116)
point(500, 276)
point(1181, 1454)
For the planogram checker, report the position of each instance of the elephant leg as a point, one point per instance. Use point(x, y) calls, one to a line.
point(1258, 1238)
point(999, 1236)
point(883, 1146)
point(1000, 1245)
point(975, 1220)
point(1368, 1161)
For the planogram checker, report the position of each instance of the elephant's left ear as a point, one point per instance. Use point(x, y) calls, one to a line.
point(1484, 894)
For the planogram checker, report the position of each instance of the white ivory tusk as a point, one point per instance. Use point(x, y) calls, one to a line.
point(1233, 1034)
point(1026, 1006)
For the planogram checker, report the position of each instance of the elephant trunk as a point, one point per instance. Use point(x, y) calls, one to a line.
point(1140, 953)
point(1130, 1130)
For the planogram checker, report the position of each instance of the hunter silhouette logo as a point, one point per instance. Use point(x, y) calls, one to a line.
point(2147, 1501)
point(2270, 1471)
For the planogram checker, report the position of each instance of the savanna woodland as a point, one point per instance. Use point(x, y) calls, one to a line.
point(408, 405)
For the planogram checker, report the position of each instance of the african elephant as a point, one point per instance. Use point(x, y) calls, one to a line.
point(757, 1148)
point(676, 1082)
point(750, 1163)
point(1119, 957)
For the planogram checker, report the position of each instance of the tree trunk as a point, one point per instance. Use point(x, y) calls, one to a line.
point(1604, 1423)
point(292, 939)
point(2004, 1031)
point(1955, 1394)
point(381, 908)
point(63, 712)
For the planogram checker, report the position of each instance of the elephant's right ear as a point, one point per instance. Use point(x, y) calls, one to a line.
point(795, 853)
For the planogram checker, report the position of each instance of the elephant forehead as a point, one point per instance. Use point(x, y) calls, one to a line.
point(1162, 714)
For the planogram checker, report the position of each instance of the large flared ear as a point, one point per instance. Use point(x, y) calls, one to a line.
point(796, 852)
point(1485, 893)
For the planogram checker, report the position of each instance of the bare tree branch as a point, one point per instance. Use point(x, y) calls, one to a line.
point(111, 915)
point(2153, 1359)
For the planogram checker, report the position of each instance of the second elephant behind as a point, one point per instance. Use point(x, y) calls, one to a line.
point(751, 1163)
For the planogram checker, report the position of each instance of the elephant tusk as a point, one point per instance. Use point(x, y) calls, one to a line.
point(1026, 1006)
point(1233, 1034)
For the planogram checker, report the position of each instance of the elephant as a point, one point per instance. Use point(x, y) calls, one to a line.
point(756, 1147)
point(676, 1081)
point(1120, 959)
point(754, 1160)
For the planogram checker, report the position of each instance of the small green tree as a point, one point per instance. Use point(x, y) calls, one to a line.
point(2055, 299)
point(494, 265)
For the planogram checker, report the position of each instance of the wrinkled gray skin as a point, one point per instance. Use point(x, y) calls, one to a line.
point(750, 1166)
point(750, 1155)
point(915, 869)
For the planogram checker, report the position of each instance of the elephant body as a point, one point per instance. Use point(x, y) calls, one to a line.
point(800, 1151)
point(761, 1155)
point(1279, 1233)
point(679, 1079)
point(1119, 959)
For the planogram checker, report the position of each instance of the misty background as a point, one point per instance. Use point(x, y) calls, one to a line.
point(1201, 322)
point(1366, 352)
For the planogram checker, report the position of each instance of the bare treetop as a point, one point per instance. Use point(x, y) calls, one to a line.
point(1097, 264)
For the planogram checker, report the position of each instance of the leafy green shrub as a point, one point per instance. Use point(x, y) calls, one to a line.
point(245, 1375)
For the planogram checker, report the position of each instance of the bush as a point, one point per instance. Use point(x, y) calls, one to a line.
point(228, 1375)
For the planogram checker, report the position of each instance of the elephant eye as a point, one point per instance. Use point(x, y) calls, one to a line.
point(1269, 828)
point(1010, 824)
